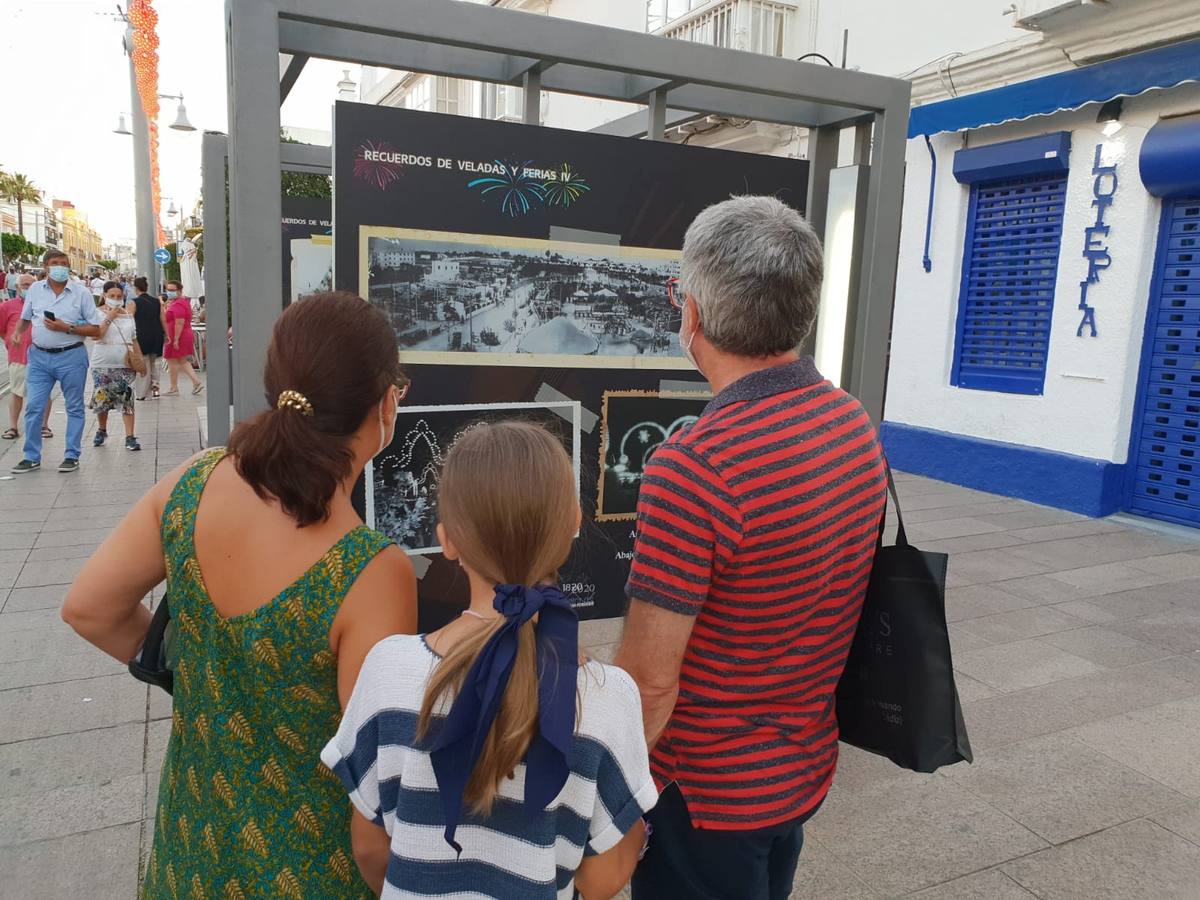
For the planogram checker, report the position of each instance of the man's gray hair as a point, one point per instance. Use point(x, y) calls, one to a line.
point(754, 266)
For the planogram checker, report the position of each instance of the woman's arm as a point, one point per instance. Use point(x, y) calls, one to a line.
point(382, 602)
point(104, 605)
point(602, 876)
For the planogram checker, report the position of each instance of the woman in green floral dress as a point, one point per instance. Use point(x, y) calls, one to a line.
point(277, 593)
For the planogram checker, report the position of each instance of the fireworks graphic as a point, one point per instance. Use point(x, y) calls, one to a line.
point(379, 174)
point(519, 193)
point(567, 188)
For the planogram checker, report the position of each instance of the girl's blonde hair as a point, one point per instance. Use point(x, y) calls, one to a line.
point(507, 500)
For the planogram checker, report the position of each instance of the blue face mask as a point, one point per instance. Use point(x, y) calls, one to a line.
point(59, 274)
point(171, 295)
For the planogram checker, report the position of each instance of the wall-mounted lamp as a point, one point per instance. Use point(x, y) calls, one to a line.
point(1110, 117)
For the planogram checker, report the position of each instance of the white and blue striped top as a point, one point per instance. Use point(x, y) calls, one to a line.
point(507, 854)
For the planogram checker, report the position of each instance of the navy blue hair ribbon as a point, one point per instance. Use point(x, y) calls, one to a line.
point(459, 743)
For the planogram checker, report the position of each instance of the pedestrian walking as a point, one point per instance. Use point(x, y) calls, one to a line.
point(61, 313)
point(112, 378)
point(277, 592)
point(147, 318)
point(756, 532)
point(18, 359)
point(180, 341)
point(528, 724)
point(97, 288)
point(127, 287)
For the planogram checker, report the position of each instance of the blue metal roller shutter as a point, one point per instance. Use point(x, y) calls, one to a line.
point(1010, 263)
point(1166, 448)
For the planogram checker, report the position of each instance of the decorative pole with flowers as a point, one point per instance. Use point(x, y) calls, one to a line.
point(143, 20)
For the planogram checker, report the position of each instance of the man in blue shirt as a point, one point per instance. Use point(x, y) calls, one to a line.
point(62, 313)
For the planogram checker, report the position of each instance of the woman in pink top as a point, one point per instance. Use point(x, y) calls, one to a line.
point(18, 355)
point(179, 344)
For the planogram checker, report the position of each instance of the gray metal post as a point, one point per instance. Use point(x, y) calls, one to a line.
point(214, 148)
point(822, 159)
point(533, 97)
point(880, 251)
point(862, 143)
point(254, 193)
point(143, 202)
point(658, 116)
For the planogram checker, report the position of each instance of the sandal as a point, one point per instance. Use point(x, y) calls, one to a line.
point(174, 393)
point(46, 432)
point(10, 434)
point(197, 389)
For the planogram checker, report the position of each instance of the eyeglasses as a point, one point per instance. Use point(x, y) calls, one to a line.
point(676, 296)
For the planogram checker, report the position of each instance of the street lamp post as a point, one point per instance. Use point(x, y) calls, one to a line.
point(171, 212)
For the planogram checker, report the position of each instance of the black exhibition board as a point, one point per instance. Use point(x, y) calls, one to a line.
point(525, 272)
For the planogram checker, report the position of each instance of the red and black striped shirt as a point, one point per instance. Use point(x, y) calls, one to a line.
point(761, 521)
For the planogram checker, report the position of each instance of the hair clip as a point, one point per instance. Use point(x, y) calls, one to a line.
point(294, 400)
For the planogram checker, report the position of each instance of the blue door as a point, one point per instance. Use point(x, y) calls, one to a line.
point(1164, 481)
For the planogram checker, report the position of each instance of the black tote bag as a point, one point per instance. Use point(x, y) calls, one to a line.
point(897, 696)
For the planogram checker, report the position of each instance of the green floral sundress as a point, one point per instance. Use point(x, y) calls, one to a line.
point(246, 808)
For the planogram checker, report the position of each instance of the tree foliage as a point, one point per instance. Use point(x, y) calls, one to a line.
point(17, 249)
point(20, 190)
point(298, 184)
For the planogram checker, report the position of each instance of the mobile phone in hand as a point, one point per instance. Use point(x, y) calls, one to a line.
point(49, 315)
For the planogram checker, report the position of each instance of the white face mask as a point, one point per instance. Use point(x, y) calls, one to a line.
point(113, 304)
point(686, 346)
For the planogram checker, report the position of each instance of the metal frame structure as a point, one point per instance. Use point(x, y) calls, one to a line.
point(675, 79)
point(224, 373)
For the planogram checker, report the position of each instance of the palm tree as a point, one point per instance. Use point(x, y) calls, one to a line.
point(20, 190)
point(4, 176)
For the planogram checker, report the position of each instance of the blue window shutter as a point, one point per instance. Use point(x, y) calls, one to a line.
point(1010, 263)
point(1166, 430)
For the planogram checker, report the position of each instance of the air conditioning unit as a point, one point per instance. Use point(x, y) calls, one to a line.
point(1036, 15)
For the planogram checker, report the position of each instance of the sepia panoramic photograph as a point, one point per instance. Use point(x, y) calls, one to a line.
point(454, 294)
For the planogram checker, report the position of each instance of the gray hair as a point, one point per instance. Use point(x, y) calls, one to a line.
point(754, 267)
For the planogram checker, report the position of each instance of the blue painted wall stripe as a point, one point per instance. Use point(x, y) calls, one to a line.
point(1091, 487)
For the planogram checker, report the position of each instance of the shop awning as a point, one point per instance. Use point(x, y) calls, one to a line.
point(1164, 67)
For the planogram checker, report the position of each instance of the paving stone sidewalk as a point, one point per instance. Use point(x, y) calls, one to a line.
point(1077, 644)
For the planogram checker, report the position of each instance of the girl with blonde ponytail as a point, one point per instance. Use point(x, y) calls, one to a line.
point(498, 763)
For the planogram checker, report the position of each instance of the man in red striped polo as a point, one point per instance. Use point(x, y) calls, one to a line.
point(755, 536)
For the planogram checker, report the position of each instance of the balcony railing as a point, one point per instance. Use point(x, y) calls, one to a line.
point(759, 26)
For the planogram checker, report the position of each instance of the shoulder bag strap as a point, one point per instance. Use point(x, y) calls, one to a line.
point(901, 534)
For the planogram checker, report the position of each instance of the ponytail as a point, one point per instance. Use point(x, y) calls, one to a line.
point(338, 353)
point(516, 721)
point(283, 458)
point(511, 530)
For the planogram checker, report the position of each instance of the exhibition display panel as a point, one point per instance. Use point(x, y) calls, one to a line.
point(524, 270)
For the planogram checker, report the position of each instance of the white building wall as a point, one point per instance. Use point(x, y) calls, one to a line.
point(1091, 383)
